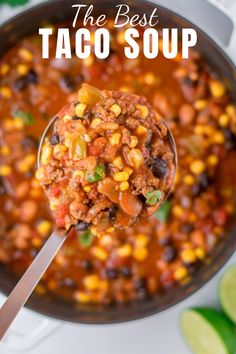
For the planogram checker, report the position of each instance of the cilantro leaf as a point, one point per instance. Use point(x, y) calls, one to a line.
point(163, 212)
point(153, 197)
point(86, 238)
point(97, 175)
point(14, 2)
point(27, 118)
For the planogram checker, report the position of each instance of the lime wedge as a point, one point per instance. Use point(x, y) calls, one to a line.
point(208, 331)
point(227, 293)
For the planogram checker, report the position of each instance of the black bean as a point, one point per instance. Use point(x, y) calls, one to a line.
point(126, 271)
point(230, 139)
point(204, 180)
point(54, 139)
point(87, 265)
point(67, 83)
point(187, 228)
point(159, 167)
point(112, 211)
point(82, 226)
point(112, 273)
point(164, 241)
point(2, 187)
point(75, 117)
point(140, 283)
point(29, 142)
point(188, 82)
point(87, 115)
point(21, 83)
point(196, 190)
point(169, 254)
point(142, 198)
point(69, 283)
point(32, 77)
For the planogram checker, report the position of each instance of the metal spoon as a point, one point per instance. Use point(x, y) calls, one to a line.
point(32, 276)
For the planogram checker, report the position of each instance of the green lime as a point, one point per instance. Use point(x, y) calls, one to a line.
point(227, 292)
point(208, 331)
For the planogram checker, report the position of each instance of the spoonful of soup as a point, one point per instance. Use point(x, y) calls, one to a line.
point(104, 161)
point(108, 161)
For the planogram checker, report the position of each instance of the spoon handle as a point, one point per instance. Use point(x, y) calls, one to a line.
point(29, 280)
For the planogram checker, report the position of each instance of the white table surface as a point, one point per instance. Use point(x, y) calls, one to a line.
point(158, 334)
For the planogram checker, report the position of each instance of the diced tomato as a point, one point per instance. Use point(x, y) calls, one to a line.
point(97, 147)
point(60, 214)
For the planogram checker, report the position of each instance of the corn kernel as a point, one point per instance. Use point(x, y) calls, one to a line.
point(141, 130)
point(4, 69)
point(118, 162)
point(5, 150)
point(36, 242)
point(141, 240)
point(188, 256)
point(80, 109)
point(99, 253)
point(115, 139)
point(197, 167)
point(78, 173)
point(136, 158)
point(27, 163)
point(143, 109)
point(110, 229)
point(46, 155)
point(133, 142)
point(125, 250)
point(128, 170)
point(40, 173)
point(89, 61)
point(116, 109)
point(44, 227)
point(92, 282)
point(82, 297)
point(177, 210)
point(149, 78)
point(18, 123)
point(189, 180)
point(5, 170)
point(200, 253)
point(224, 120)
point(22, 69)
point(213, 160)
point(59, 150)
point(5, 92)
point(124, 186)
point(140, 254)
point(218, 138)
point(217, 89)
point(180, 273)
point(121, 176)
point(87, 189)
point(200, 104)
point(96, 122)
point(231, 110)
point(25, 54)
